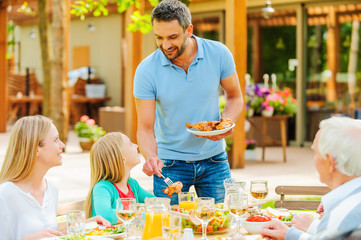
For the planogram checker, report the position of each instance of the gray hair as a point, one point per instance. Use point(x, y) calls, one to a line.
point(169, 10)
point(341, 137)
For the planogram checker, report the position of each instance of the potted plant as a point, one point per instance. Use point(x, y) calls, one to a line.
point(251, 151)
point(88, 132)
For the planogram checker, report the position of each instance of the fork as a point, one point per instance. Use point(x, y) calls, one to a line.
point(167, 180)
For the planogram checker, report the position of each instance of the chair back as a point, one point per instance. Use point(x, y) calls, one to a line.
point(301, 191)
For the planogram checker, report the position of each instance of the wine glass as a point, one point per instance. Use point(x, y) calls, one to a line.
point(259, 190)
point(238, 206)
point(125, 210)
point(204, 211)
point(171, 226)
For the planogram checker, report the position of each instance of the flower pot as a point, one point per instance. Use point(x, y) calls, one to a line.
point(86, 143)
point(267, 113)
point(250, 154)
point(250, 112)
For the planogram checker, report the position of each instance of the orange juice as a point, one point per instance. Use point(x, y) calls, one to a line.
point(153, 225)
point(186, 205)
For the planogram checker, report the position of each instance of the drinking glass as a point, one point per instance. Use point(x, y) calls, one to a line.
point(137, 225)
point(238, 206)
point(76, 223)
point(186, 200)
point(259, 190)
point(171, 226)
point(126, 208)
point(232, 185)
point(204, 211)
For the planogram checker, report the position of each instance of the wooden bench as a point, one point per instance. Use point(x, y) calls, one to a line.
point(301, 191)
point(67, 207)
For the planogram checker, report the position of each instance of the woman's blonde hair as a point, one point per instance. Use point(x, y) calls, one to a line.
point(106, 163)
point(26, 136)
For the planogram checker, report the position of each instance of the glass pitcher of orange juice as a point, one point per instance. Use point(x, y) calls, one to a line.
point(156, 208)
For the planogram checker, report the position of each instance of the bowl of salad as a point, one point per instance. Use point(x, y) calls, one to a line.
point(219, 224)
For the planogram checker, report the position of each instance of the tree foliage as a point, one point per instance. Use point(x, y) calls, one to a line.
point(140, 21)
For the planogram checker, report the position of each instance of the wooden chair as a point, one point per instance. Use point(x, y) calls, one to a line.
point(301, 191)
point(66, 207)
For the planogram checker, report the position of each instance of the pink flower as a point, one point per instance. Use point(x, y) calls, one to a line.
point(90, 122)
point(84, 118)
point(269, 108)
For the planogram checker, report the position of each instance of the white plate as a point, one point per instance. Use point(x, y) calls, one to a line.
point(86, 237)
point(210, 133)
point(113, 236)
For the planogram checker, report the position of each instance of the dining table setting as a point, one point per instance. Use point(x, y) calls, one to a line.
point(239, 216)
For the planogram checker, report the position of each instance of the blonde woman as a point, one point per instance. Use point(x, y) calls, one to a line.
point(28, 201)
point(111, 159)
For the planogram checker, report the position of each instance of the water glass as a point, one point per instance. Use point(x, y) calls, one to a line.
point(136, 228)
point(76, 223)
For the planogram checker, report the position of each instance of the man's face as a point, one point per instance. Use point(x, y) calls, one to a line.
point(170, 38)
point(321, 164)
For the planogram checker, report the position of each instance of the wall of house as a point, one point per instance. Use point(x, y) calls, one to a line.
point(104, 46)
point(105, 50)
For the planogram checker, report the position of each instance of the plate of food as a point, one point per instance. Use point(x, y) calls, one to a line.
point(221, 222)
point(210, 128)
point(78, 238)
point(113, 232)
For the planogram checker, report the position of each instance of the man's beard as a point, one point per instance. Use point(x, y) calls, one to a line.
point(180, 50)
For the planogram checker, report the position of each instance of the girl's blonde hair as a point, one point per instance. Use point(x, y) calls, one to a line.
point(106, 163)
point(26, 136)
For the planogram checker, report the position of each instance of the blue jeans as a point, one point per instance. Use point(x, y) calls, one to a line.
point(206, 175)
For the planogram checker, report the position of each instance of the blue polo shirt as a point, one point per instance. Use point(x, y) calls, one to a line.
point(185, 97)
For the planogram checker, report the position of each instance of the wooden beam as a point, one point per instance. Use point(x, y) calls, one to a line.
point(133, 49)
point(332, 54)
point(257, 53)
point(301, 74)
point(3, 66)
point(236, 40)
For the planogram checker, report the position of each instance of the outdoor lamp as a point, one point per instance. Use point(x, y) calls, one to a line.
point(91, 27)
point(268, 10)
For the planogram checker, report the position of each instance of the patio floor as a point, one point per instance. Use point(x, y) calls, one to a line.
point(73, 176)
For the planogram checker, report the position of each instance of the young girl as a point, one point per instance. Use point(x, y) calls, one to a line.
point(28, 201)
point(111, 159)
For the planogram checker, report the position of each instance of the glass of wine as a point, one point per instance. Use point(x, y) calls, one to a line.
point(204, 211)
point(238, 206)
point(259, 189)
point(125, 210)
point(171, 226)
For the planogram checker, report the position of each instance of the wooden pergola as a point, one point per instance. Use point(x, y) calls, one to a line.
point(236, 40)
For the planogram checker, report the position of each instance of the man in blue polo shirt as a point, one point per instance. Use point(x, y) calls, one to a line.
point(179, 83)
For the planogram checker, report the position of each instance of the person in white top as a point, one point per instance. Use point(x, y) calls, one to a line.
point(28, 201)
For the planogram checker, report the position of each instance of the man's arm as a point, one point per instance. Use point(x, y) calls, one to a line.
point(146, 137)
point(234, 103)
point(234, 97)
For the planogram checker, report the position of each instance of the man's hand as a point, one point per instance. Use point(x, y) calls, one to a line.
point(153, 166)
point(217, 137)
point(274, 229)
point(99, 220)
point(302, 221)
point(43, 234)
